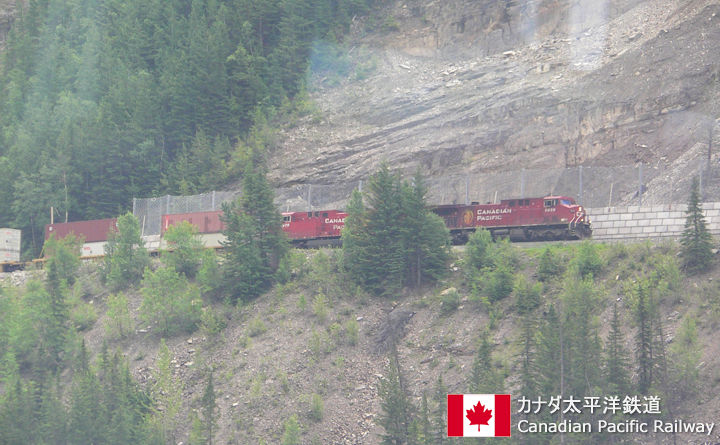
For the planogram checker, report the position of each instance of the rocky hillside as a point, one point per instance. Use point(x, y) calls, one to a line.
point(476, 87)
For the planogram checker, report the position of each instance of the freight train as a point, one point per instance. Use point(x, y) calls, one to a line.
point(524, 219)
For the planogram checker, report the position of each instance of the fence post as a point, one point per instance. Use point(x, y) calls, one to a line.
point(134, 199)
point(700, 184)
point(640, 184)
point(467, 189)
point(213, 200)
point(167, 204)
point(522, 183)
point(309, 197)
point(580, 187)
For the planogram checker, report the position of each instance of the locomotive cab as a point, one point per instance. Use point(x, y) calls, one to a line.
point(565, 210)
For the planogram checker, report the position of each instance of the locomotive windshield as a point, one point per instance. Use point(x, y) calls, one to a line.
point(566, 202)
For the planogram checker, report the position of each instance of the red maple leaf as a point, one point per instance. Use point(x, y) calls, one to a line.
point(479, 415)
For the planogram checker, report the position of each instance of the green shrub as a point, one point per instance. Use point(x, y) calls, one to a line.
point(170, 301)
point(449, 301)
point(291, 433)
point(478, 251)
point(667, 271)
point(336, 334)
point(319, 344)
point(320, 307)
point(550, 266)
point(528, 295)
point(210, 323)
point(351, 331)
point(282, 377)
point(125, 255)
point(316, 407)
point(209, 275)
point(499, 283)
point(82, 315)
point(64, 257)
point(256, 327)
point(118, 315)
point(587, 260)
point(184, 248)
point(504, 253)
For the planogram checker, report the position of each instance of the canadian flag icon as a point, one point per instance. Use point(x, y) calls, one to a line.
point(478, 415)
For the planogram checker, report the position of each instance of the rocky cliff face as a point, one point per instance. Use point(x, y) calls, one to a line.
point(473, 88)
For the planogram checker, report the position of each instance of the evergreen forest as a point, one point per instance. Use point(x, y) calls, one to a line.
point(105, 100)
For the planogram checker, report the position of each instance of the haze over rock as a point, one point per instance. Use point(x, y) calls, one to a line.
point(469, 88)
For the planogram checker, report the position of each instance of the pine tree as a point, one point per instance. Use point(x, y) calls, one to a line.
point(397, 410)
point(696, 240)
point(439, 413)
point(528, 379)
point(355, 239)
point(167, 394)
point(423, 433)
point(86, 418)
point(644, 337)
point(255, 240)
point(392, 240)
point(485, 379)
point(549, 357)
point(385, 251)
point(16, 414)
point(581, 301)
point(616, 357)
point(209, 410)
point(424, 234)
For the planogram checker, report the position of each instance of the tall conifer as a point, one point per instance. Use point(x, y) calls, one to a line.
point(255, 240)
point(696, 240)
point(616, 357)
point(391, 240)
point(397, 409)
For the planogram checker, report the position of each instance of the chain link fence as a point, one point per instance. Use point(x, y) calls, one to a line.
point(149, 211)
point(593, 187)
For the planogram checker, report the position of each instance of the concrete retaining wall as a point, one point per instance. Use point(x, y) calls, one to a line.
point(642, 222)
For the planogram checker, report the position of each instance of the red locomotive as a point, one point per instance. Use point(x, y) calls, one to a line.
point(311, 229)
point(526, 219)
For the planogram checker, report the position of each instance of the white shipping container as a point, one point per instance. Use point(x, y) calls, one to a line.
point(10, 240)
point(9, 256)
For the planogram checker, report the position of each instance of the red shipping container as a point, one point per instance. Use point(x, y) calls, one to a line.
point(92, 231)
point(206, 222)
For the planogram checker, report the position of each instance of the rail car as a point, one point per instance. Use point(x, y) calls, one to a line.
point(10, 250)
point(304, 229)
point(525, 219)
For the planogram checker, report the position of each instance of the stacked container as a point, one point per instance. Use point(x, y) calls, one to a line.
point(9, 245)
